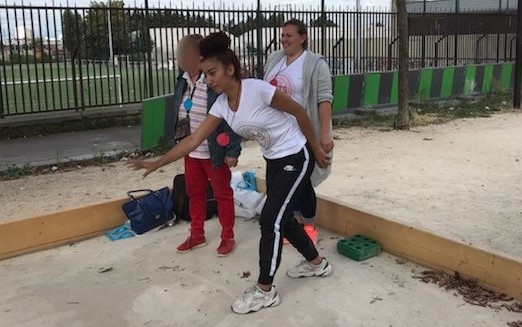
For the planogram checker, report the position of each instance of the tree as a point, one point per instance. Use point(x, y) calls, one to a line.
point(73, 32)
point(97, 30)
point(403, 118)
point(319, 22)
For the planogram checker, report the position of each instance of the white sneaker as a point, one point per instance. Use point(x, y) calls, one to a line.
point(306, 269)
point(256, 299)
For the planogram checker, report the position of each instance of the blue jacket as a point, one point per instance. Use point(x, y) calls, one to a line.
point(217, 152)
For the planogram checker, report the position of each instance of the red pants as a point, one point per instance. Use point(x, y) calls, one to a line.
point(198, 173)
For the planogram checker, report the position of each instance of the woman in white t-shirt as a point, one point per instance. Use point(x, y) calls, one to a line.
point(256, 110)
point(305, 76)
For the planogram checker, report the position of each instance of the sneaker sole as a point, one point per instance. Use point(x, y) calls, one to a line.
point(222, 255)
point(327, 271)
point(192, 248)
point(273, 303)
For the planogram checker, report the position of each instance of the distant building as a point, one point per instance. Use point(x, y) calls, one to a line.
point(53, 47)
point(445, 6)
point(24, 34)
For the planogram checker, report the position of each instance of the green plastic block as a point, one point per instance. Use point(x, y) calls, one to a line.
point(358, 247)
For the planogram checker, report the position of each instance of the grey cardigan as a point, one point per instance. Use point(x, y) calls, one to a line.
point(317, 88)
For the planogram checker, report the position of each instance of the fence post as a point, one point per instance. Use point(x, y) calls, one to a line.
point(518, 61)
point(423, 53)
point(148, 71)
point(323, 28)
point(2, 113)
point(456, 50)
point(79, 55)
point(259, 45)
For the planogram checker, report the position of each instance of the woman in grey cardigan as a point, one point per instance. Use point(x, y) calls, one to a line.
point(306, 77)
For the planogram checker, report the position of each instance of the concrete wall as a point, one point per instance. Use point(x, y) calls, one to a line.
point(367, 90)
point(381, 88)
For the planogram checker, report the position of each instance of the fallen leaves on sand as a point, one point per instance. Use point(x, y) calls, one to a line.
point(470, 290)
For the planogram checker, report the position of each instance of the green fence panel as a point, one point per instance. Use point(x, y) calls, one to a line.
point(152, 121)
point(394, 96)
point(469, 80)
point(446, 88)
point(341, 87)
point(425, 81)
point(507, 72)
point(372, 82)
point(488, 78)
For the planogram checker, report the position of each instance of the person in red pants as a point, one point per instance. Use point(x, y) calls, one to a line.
point(210, 161)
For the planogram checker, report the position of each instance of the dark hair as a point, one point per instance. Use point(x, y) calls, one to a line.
point(217, 46)
point(301, 29)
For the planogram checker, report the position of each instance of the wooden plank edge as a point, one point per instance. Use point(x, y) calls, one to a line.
point(497, 271)
point(28, 235)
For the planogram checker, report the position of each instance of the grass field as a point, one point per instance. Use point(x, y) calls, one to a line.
point(45, 87)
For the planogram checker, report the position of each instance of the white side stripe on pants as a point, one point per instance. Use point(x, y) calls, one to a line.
point(277, 224)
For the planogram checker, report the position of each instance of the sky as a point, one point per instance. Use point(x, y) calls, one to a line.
point(175, 3)
point(348, 5)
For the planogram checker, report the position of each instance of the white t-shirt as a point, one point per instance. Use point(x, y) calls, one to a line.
point(276, 131)
point(290, 78)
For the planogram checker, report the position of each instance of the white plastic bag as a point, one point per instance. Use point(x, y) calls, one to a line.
point(260, 206)
point(236, 179)
point(247, 199)
point(244, 212)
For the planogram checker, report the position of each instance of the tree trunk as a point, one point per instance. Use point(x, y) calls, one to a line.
point(403, 118)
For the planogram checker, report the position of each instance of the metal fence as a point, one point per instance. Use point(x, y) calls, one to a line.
point(63, 58)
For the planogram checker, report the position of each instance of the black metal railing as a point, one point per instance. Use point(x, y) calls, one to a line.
point(72, 58)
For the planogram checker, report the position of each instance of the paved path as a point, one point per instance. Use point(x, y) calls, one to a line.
point(51, 149)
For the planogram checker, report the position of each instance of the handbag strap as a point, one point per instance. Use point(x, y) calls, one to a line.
point(138, 191)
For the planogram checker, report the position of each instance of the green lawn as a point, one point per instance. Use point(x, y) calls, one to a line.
point(94, 88)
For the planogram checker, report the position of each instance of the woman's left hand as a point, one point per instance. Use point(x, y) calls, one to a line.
point(231, 162)
point(327, 143)
point(149, 166)
point(321, 158)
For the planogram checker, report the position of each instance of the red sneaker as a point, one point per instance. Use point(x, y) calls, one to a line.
point(311, 231)
point(191, 243)
point(225, 248)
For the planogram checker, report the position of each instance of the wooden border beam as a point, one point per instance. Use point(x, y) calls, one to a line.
point(494, 270)
point(51, 230)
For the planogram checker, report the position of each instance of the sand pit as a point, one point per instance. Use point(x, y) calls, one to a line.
point(461, 179)
point(152, 285)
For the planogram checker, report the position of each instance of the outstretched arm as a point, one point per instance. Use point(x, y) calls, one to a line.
point(285, 103)
point(181, 149)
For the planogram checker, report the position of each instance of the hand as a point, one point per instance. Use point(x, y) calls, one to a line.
point(231, 162)
point(149, 166)
point(327, 142)
point(321, 158)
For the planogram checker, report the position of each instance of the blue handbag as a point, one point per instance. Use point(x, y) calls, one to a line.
point(150, 211)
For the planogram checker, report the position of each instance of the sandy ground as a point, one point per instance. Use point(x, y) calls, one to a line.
point(461, 180)
point(151, 285)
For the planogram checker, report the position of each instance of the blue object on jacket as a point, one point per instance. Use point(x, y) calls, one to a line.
point(217, 152)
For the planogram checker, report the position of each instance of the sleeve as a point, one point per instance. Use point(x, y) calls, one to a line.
point(216, 110)
point(266, 91)
point(324, 83)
